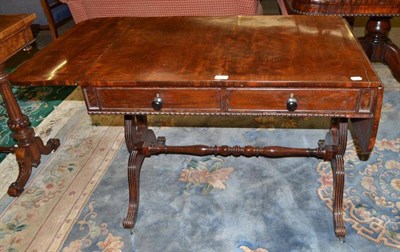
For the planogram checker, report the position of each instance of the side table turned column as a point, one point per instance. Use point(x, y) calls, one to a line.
point(376, 43)
point(15, 34)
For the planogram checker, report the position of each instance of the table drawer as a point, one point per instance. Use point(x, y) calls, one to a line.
point(314, 101)
point(140, 99)
point(308, 100)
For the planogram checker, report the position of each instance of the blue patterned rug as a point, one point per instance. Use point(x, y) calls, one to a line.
point(249, 204)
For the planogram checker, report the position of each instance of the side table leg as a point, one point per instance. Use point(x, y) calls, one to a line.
point(137, 135)
point(29, 148)
point(378, 46)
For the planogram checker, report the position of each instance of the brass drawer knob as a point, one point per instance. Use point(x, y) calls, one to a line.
point(291, 103)
point(157, 103)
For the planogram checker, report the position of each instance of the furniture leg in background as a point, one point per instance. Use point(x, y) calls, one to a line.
point(379, 47)
point(15, 34)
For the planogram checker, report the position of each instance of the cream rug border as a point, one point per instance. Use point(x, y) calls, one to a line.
point(70, 219)
point(54, 231)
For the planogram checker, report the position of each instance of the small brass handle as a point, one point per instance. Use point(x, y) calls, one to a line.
point(291, 103)
point(157, 103)
point(27, 48)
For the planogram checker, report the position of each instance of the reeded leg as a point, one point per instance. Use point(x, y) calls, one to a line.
point(338, 136)
point(338, 183)
point(378, 46)
point(29, 148)
point(137, 135)
point(134, 167)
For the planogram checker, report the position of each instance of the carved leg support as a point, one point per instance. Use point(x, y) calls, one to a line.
point(137, 135)
point(335, 149)
point(134, 167)
point(338, 183)
point(28, 157)
point(29, 148)
point(378, 46)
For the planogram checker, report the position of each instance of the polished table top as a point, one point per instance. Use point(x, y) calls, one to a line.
point(253, 51)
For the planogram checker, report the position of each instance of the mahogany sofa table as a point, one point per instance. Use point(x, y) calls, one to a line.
point(265, 65)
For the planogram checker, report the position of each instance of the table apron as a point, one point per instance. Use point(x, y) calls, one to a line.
point(326, 102)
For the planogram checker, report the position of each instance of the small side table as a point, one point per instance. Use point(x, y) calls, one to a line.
point(376, 42)
point(15, 34)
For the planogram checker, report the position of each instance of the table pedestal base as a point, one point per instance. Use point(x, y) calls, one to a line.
point(29, 148)
point(28, 157)
point(142, 142)
point(378, 46)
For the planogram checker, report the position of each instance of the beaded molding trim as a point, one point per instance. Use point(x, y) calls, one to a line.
point(229, 114)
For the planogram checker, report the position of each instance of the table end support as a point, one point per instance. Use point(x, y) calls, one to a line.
point(338, 177)
point(142, 142)
point(29, 148)
point(137, 134)
point(336, 141)
point(134, 167)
